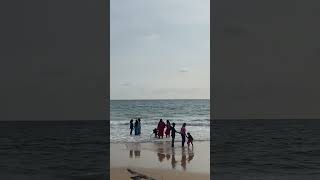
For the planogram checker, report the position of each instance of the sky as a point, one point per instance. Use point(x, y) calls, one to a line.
point(159, 49)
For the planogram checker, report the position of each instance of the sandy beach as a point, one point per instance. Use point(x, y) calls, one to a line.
point(157, 160)
point(144, 173)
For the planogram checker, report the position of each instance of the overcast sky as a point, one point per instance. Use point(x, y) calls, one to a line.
point(160, 49)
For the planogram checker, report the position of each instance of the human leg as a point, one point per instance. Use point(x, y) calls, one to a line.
point(183, 140)
point(172, 143)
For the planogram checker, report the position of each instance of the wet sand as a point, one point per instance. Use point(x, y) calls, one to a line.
point(155, 174)
point(159, 161)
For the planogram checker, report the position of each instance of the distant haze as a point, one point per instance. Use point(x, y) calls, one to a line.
point(160, 49)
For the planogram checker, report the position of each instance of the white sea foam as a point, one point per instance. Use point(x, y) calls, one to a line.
point(196, 113)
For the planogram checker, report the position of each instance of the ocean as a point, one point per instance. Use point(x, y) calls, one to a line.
point(196, 113)
point(266, 149)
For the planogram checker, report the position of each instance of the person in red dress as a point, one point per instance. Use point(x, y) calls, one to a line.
point(161, 126)
point(168, 128)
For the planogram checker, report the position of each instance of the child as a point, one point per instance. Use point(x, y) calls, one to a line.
point(155, 132)
point(190, 139)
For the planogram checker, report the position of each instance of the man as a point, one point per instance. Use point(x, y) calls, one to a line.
point(173, 133)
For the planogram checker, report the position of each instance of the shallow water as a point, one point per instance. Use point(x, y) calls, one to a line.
point(196, 113)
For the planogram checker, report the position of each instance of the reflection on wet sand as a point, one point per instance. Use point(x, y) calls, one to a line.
point(183, 160)
point(168, 156)
point(165, 153)
point(137, 153)
point(134, 149)
point(190, 153)
point(173, 160)
point(162, 156)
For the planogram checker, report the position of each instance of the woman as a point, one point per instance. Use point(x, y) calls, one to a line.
point(139, 126)
point(161, 126)
point(168, 128)
point(136, 128)
point(183, 133)
point(131, 126)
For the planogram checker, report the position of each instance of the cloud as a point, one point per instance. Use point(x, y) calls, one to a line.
point(151, 36)
point(126, 84)
point(157, 44)
point(184, 70)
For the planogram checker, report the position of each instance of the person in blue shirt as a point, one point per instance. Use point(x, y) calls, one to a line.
point(136, 128)
point(139, 126)
point(131, 126)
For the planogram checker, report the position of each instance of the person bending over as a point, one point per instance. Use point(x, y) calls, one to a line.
point(190, 139)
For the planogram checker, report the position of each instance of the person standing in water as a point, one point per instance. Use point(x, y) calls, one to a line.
point(155, 132)
point(136, 128)
point(161, 126)
point(131, 126)
point(173, 133)
point(139, 126)
point(168, 127)
point(183, 133)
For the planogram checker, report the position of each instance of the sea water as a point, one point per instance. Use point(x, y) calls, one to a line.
point(195, 113)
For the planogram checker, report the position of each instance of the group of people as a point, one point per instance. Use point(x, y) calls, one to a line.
point(136, 126)
point(164, 128)
point(169, 130)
